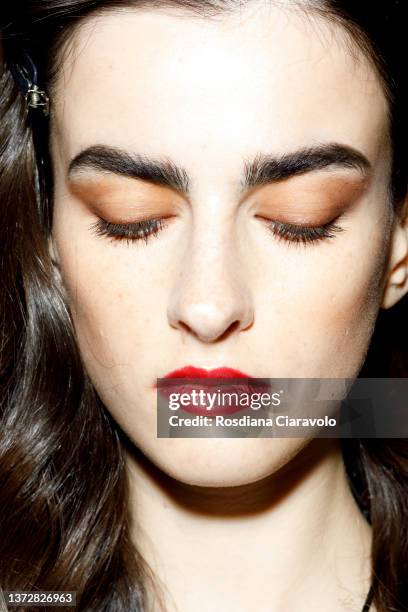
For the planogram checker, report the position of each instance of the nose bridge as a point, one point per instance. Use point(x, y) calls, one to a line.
point(211, 294)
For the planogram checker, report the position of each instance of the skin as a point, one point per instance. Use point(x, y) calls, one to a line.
point(216, 288)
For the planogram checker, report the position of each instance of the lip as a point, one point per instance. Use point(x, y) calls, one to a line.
point(197, 382)
point(193, 372)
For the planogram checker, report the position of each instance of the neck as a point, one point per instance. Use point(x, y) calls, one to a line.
point(295, 540)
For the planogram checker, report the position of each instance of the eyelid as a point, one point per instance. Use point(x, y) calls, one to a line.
point(128, 232)
point(302, 221)
point(131, 221)
point(322, 189)
point(291, 233)
point(298, 234)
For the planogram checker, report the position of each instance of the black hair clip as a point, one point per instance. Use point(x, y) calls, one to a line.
point(26, 77)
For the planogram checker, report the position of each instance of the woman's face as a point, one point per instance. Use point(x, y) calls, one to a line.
point(275, 128)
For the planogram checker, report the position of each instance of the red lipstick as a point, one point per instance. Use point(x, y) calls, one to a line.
point(193, 384)
point(192, 372)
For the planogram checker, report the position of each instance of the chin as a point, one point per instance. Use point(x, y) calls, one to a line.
point(219, 462)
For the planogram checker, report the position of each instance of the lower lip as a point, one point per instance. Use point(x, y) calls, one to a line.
point(181, 387)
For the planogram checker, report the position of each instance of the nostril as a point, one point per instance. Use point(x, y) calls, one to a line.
point(209, 335)
point(233, 327)
point(184, 327)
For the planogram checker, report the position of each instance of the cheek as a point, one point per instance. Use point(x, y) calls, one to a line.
point(326, 306)
point(117, 309)
point(341, 323)
point(351, 299)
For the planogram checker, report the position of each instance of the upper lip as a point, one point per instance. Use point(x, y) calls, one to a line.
point(194, 372)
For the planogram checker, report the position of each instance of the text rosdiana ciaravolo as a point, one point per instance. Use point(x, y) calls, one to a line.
point(249, 421)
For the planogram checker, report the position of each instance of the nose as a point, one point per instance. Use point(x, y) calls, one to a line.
point(211, 297)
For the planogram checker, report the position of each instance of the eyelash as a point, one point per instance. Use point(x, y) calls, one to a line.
point(143, 230)
point(301, 234)
point(129, 232)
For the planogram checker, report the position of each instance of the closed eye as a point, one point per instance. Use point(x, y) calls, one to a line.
point(129, 232)
point(143, 230)
point(302, 234)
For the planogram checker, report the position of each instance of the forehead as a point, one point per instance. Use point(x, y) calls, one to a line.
point(263, 79)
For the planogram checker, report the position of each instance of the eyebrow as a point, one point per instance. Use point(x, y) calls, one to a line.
point(268, 169)
point(261, 170)
point(110, 159)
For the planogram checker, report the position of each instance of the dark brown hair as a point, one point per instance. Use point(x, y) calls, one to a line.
point(64, 523)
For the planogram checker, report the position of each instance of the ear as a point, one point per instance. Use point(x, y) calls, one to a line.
point(396, 284)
